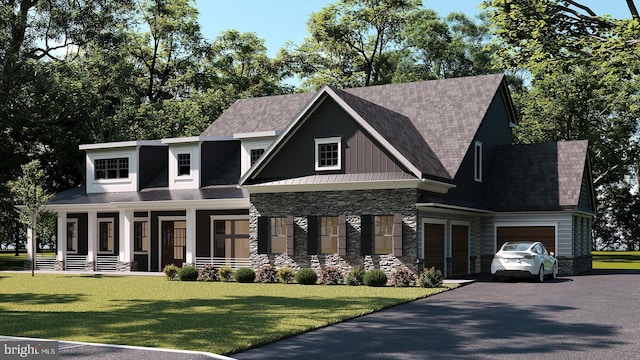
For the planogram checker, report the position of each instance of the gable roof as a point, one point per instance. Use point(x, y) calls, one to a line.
point(446, 114)
point(539, 177)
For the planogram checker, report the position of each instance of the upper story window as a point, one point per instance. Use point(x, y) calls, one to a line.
point(184, 164)
point(328, 153)
point(477, 163)
point(255, 155)
point(117, 168)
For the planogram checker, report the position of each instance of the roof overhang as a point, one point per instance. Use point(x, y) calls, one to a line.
point(451, 208)
point(119, 144)
point(209, 204)
point(280, 187)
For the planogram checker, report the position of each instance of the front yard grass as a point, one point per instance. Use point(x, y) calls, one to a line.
point(218, 317)
point(9, 260)
point(623, 260)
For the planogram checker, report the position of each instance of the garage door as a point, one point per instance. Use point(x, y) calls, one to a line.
point(545, 234)
point(460, 250)
point(434, 246)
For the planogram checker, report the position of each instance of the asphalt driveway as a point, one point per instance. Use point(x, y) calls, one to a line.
point(596, 316)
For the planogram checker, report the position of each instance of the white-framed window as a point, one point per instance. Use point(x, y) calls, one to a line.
point(383, 232)
point(105, 235)
point(184, 164)
point(116, 168)
point(328, 234)
point(141, 236)
point(477, 162)
point(328, 153)
point(278, 235)
point(255, 154)
point(72, 235)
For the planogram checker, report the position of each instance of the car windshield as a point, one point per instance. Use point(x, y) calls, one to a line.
point(516, 246)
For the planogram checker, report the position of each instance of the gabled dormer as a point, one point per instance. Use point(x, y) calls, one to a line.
point(115, 166)
point(253, 146)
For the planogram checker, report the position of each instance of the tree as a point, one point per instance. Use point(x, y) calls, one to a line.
point(582, 72)
point(30, 197)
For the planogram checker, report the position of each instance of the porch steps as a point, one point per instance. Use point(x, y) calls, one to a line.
point(106, 263)
point(45, 262)
point(75, 262)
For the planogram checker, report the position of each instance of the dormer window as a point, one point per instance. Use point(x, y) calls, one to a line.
point(184, 164)
point(328, 153)
point(255, 155)
point(112, 168)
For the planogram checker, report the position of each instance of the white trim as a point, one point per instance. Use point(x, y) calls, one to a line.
point(130, 183)
point(532, 223)
point(119, 144)
point(257, 134)
point(191, 181)
point(193, 139)
point(246, 146)
point(478, 161)
point(327, 141)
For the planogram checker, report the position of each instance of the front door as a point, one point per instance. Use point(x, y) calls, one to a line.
point(459, 250)
point(174, 242)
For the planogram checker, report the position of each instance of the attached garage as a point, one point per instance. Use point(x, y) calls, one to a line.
point(459, 249)
point(545, 234)
point(434, 237)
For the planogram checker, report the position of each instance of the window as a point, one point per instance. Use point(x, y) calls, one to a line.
point(231, 238)
point(328, 153)
point(383, 243)
point(329, 235)
point(141, 236)
point(278, 235)
point(72, 235)
point(477, 168)
point(255, 155)
point(184, 164)
point(105, 236)
point(112, 168)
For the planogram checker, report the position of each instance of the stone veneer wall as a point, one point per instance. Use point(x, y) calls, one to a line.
point(126, 266)
point(353, 204)
point(577, 265)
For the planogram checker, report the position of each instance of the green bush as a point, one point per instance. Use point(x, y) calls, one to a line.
point(188, 273)
point(354, 277)
point(245, 275)
point(266, 274)
point(375, 278)
point(226, 273)
point(430, 278)
point(306, 276)
point(208, 273)
point(331, 275)
point(171, 272)
point(286, 275)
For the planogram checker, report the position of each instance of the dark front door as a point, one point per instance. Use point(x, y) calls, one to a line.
point(174, 242)
point(434, 246)
point(459, 250)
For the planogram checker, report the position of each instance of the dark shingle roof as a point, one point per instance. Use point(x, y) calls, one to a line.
point(537, 177)
point(445, 113)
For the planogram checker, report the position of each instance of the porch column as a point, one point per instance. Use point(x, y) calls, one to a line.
point(30, 239)
point(92, 243)
point(62, 236)
point(191, 236)
point(125, 246)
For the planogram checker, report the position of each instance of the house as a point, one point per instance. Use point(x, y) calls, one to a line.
point(419, 174)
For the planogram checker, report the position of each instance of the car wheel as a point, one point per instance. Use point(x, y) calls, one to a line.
point(554, 274)
point(540, 276)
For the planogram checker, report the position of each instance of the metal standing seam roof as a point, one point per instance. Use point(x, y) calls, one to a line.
point(445, 113)
point(537, 177)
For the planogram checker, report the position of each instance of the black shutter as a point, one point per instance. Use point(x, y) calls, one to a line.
point(312, 235)
point(365, 234)
point(263, 234)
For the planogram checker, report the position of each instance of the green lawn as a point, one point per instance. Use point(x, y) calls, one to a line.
point(624, 260)
point(150, 311)
point(9, 260)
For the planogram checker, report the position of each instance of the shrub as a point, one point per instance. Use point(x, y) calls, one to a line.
point(354, 277)
point(403, 277)
point(188, 273)
point(430, 278)
point(245, 275)
point(226, 273)
point(171, 271)
point(375, 277)
point(331, 275)
point(208, 273)
point(266, 274)
point(286, 275)
point(306, 276)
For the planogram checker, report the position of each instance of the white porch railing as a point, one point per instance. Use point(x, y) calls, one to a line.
point(233, 263)
point(74, 262)
point(45, 262)
point(106, 262)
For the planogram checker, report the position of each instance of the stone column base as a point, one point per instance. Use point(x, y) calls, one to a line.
point(125, 266)
point(58, 265)
point(89, 266)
